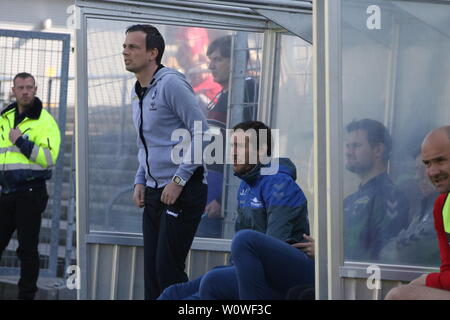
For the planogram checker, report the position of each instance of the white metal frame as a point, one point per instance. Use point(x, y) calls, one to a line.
point(81, 147)
point(327, 154)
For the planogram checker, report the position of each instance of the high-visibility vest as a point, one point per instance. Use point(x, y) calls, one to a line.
point(45, 134)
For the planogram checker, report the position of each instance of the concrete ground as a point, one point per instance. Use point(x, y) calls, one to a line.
point(48, 289)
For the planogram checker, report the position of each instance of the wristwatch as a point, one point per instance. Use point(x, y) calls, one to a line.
point(179, 181)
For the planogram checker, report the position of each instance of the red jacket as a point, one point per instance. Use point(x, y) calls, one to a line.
point(441, 280)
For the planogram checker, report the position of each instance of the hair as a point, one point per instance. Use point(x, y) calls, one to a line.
point(153, 38)
point(223, 44)
point(23, 75)
point(257, 125)
point(376, 133)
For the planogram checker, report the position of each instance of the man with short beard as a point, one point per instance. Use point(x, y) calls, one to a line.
point(378, 210)
point(270, 204)
point(29, 147)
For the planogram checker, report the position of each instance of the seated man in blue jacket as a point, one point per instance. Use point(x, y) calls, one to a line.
point(272, 204)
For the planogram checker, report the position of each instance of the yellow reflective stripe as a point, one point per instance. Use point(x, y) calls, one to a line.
point(446, 214)
point(22, 166)
point(34, 153)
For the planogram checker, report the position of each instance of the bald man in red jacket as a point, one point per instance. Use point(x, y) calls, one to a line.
point(436, 157)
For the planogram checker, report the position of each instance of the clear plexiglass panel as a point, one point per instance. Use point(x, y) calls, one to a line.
point(207, 58)
point(395, 88)
point(292, 110)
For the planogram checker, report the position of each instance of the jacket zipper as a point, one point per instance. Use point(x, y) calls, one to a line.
point(141, 132)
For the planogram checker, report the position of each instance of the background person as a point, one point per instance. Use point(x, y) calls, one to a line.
point(219, 55)
point(270, 204)
point(29, 147)
point(436, 158)
point(417, 244)
point(378, 210)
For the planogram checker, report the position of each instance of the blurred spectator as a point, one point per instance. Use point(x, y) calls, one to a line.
point(219, 52)
point(378, 210)
point(192, 43)
point(417, 244)
point(436, 158)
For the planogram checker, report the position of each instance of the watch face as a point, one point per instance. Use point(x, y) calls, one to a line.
point(179, 181)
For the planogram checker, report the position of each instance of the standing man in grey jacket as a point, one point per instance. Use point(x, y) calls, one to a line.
point(173, 195)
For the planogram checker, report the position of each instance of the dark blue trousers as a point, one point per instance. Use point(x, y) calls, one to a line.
point(264, 268)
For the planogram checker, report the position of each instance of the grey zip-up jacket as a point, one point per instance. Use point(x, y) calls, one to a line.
point(166, 105)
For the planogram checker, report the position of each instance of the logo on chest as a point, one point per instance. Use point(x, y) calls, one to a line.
point(255, 203)
point(153, 100)
point(244, 192)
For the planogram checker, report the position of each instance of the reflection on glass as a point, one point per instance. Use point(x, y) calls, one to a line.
point(395, 69)
point(378, 210)
point(219, 56)
point(417, 244)
point(292, 109)
point(112, 136)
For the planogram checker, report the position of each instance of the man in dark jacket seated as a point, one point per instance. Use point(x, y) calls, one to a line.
point(270, 204)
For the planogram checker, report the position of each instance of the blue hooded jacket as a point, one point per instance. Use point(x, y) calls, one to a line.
point(273, 204)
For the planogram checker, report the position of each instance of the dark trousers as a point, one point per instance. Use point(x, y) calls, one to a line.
point(168, 234)
point(219, 283)
point(22, 211)
point(264, 268)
